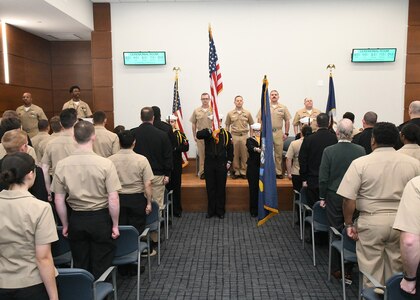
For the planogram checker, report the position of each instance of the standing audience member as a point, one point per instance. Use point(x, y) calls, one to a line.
point(279, 115)
point(30, 114)
point(27, 231)
point(15, 141)
point(219, 156)
point(165, 127)
point(92, 185)
point(292, 158)
point(310, 156)
point(201, 119)
point(55, 125)
point(175, 182)
point(154, 144)
point(106, 142)
point(408, 222)
point(350, 116)
point(306, 116)
point(238, 121)
point(41, 137)
point(410, 137)
point(82, 108)
point(253, 144)
point(8, 114)
point(334, 163)
point(414, 114)
point(373, 184)
point(363, 138)
point(118, 129)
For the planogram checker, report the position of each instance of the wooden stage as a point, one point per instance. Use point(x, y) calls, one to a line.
point(194, 196)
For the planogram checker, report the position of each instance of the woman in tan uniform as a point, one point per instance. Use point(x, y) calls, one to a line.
point(27, 231)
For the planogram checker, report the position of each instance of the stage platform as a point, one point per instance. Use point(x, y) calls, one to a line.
point(194, 196)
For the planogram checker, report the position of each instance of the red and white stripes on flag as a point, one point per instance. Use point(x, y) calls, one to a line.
point(177, 111)
point(216, 85)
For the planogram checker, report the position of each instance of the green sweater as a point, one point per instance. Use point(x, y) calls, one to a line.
point(335, 161)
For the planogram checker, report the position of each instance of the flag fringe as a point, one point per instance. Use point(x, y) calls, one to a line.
point(272, 213)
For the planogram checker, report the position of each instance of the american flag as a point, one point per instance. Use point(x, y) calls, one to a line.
point(177, 111)
point(216, 84)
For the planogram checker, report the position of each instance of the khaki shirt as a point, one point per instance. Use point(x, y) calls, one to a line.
point(58, 148)
point(408, 215)
point(25, 222)
point(30, 151)
point(200, 118)
point(279, 113)
point(88, 179)
point(133, 170)
point(83, 109)
point(376, 181)
point(412, 150)
point(302, 113)
point(40, 139)
point(30, 118)
point(106, 142)
point(293, 153)
point(239, 121)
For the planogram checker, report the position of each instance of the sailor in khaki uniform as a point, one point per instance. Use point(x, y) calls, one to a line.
point(27, 231)
point(82, 108)
point(201, 119)
point(106, 142)
point(238, 123)
point(41, 138)
point(373, 184)
point(306, 116)
point(408, 222)
point(410, 138)
point(92, 185)
point(279, 115)
point(29, 114)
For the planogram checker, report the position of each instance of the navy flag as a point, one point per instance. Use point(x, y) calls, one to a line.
point(330, 110)
point(267, 195)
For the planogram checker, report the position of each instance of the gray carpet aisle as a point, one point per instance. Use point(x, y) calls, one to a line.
point(233, 259)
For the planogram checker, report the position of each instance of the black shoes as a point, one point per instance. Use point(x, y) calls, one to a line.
point(202, 177)
point(279, 176)
point(221, 216)
point(208, 216)
point(234, 176)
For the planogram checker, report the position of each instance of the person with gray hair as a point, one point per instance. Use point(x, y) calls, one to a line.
point(334, 163)
point(414, 113)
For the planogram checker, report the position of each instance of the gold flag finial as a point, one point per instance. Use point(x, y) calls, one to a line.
point(330, 67)
point(177, 70)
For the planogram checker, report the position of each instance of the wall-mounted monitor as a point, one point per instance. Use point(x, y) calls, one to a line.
point(367, 55)
point(144, 58)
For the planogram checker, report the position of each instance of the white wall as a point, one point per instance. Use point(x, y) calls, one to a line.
point(80, 10)
point(291, 42)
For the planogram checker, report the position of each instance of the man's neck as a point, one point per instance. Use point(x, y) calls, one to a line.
point(85, 147)
point(76, 99)
point(148, 122)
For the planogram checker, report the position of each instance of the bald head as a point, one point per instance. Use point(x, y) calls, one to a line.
point(370, 118)
point(414, 109)
point(344, 129)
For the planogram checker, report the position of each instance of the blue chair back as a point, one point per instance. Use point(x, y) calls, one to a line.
point(127, 242)
point(152, 219)
point(320, 214)
point(303, 195)
point(394, 290)
point(348, 243)
point(61, 246)
point(75, 284)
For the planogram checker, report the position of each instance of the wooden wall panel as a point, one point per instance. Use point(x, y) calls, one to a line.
point(62, 95)
point(414, 13)
point(64, 76)
point(71, 53)
point(103, 98)
point(413, 40)
point(102, 72)
point(413, 72)
point(101, 44)
point(102, 16)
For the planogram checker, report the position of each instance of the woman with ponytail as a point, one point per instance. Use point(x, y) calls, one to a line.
point(27, 230)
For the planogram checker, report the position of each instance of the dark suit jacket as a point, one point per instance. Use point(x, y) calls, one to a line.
point(310, 154)
point(363, 139)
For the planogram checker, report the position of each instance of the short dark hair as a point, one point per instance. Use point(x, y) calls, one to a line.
point(385, 134)
point(68, 117)
point(55, 124)
point(349, 115)
point(99, 117)
point(322, 120)
point(127, 139)
point(156, 112)
point(15, 166)
point(411, 132)
point(43, 125)
point(73, 87)
point(10, 123)
point(83, 131)
point(118, 129)
point(306, 130)
point(370, 118)
point(146, 114)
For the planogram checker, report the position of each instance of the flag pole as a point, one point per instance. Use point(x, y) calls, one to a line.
point(177, 70)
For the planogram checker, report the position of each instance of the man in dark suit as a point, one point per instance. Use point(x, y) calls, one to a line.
point(310, 156)
point(363, 138)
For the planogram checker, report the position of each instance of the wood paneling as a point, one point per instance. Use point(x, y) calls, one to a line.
point(64, 76)
point(102, 16)
point(414, 13)
point(412, 92)
point(70, 53)
point(413, 69)
point(103, 98)
point(413, 40)
point(101, 44)
point(102, 73)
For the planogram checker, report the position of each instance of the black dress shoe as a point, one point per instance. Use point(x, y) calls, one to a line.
point(221, 216)
point(208, 216)
point(234, 176)
point(243, 176)
point(254, 215)
point(279, 176)
point(202, 176)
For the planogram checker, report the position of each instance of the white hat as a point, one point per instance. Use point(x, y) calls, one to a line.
point(256, 126)
point(171, 118)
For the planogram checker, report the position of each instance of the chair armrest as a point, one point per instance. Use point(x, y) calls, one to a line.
point(163, 207)
point(336, 232)
point(104, 275)
point(306, 207)
point(373, 280)
point(144, 233)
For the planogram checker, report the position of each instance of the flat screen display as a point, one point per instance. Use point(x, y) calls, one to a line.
point(145, 58)
point(366, 55)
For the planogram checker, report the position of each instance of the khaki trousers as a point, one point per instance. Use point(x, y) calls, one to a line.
point(278, 150)
point(240, 154)
point(378, 247)
point(158, 190)
point(201, 154)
